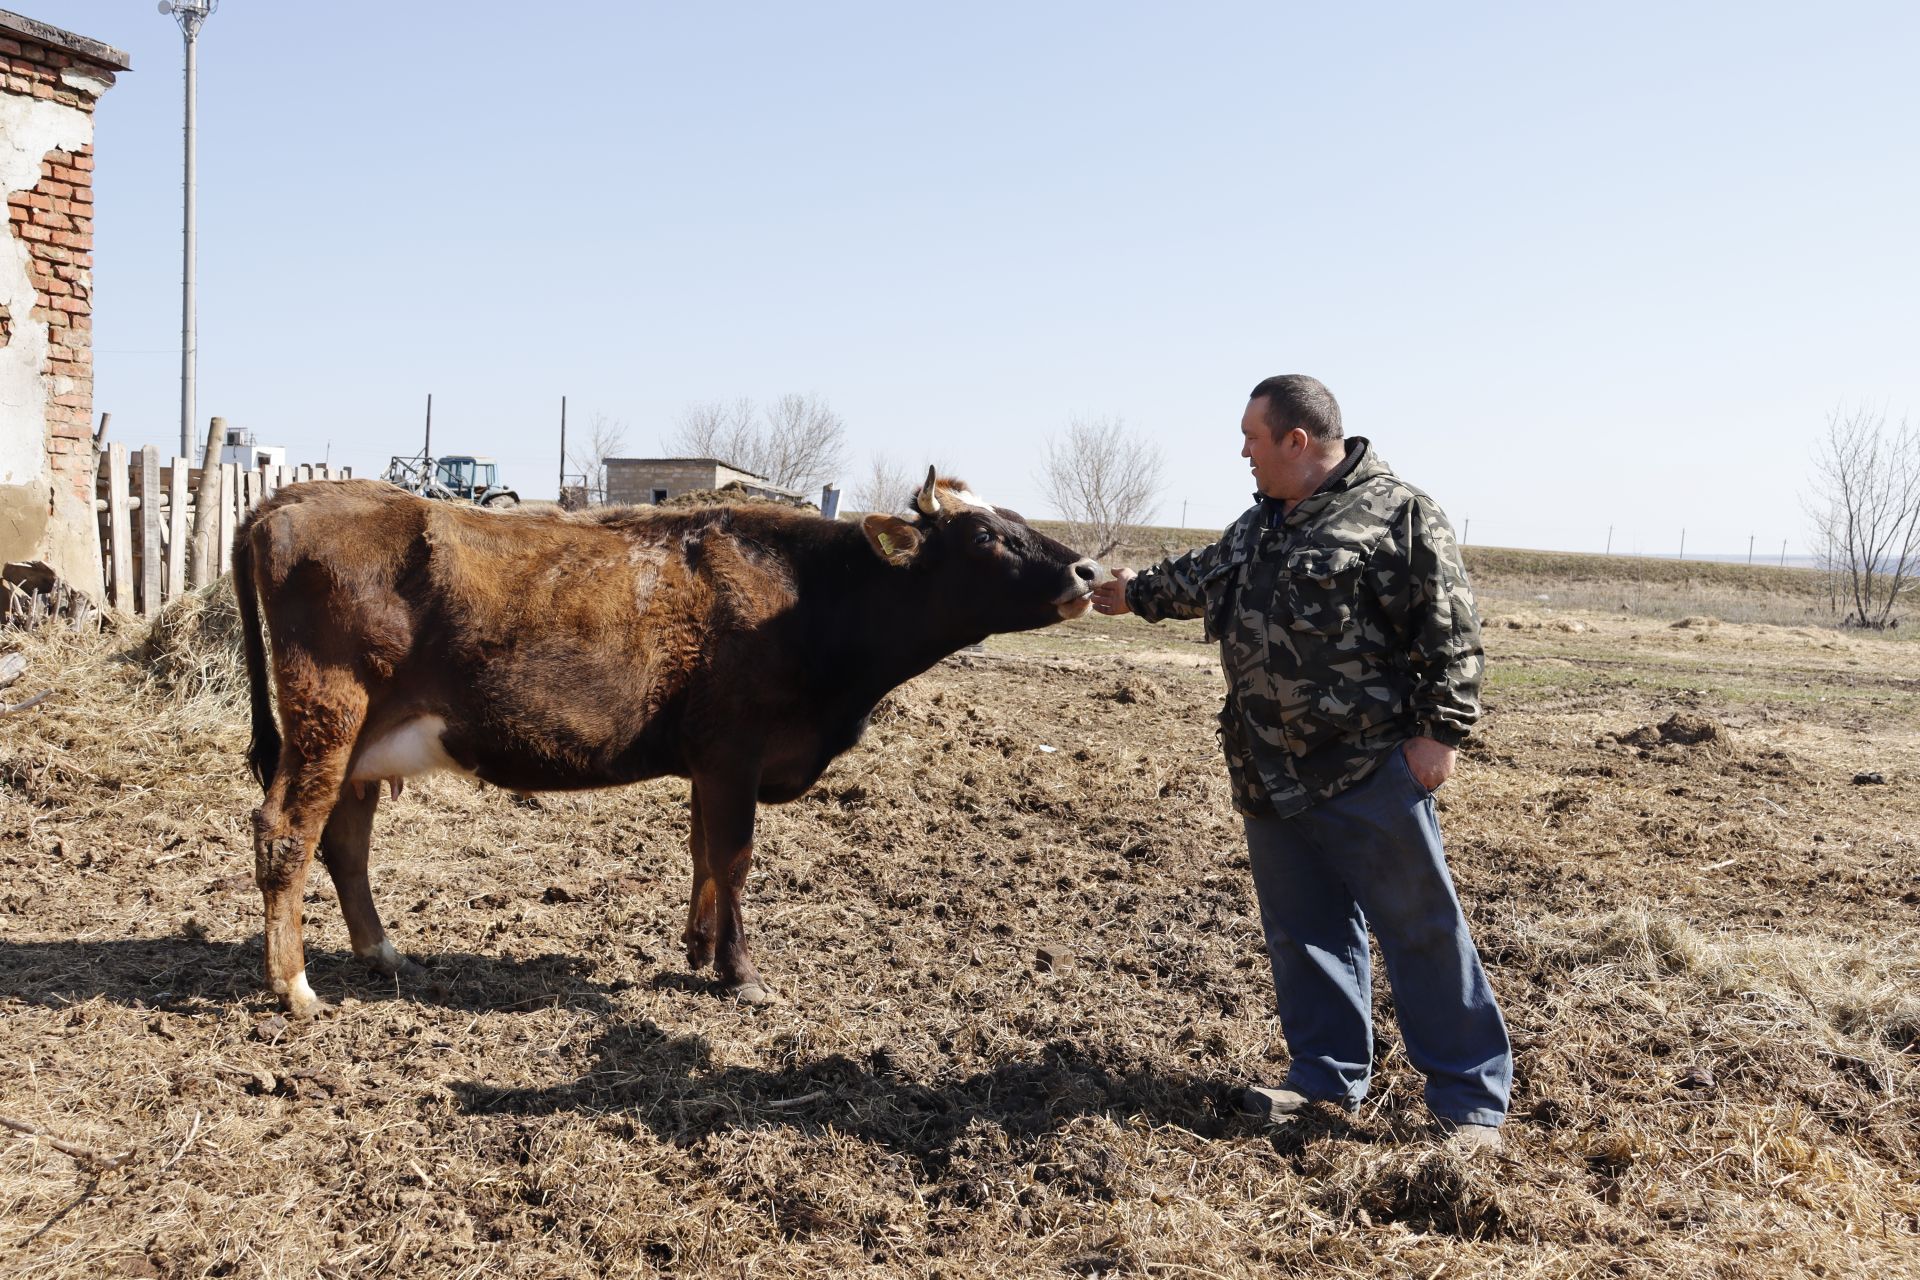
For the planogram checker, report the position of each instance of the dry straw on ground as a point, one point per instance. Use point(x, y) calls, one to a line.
point(1705, 938)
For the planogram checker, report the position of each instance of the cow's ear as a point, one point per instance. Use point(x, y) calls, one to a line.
point(892, 539)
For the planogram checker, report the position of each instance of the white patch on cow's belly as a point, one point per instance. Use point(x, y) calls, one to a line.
point(413, 749)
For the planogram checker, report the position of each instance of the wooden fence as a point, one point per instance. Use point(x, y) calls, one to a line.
point(150, 518)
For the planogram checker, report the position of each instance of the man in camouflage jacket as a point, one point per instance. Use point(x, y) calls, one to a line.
point(1351, 648)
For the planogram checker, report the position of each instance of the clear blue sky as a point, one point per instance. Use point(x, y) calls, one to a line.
point(1568, 266)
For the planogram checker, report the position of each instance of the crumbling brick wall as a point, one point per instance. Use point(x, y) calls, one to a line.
point(49, 82)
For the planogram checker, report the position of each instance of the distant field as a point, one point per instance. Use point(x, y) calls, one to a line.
point(1658, 588)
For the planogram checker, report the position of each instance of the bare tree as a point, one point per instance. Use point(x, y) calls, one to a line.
point(1865, 509)
point(723, 429)
point(1103, 480)
point(887, 486)
point(796, 442)
point(588, 458)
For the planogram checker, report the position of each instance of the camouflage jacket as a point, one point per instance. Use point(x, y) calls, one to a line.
point(1344, 631)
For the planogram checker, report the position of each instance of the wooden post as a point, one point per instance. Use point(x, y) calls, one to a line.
point(177, 530)
point(206, 509)
point(306, 472)
point(256, 483)
point(228, 500)
point(152, 554)
point(120, 527)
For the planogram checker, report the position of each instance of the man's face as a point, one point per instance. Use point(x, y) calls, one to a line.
point(1274, 462)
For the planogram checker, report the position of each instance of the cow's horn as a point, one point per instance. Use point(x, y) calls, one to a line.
point(928, 501)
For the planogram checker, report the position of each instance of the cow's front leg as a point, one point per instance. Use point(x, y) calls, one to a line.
point(727, 804)
point(701, 924)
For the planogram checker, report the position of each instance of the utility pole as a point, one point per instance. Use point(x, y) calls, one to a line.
point(426, 450)
point(1609, 539)
point(1683, 544)
point(1783, 553)
point(1466, 531)
point(563, 448)
point(1183, 513)
point(1750, 548)
point(190, 14)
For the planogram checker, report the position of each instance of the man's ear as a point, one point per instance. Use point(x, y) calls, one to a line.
point(893, 539)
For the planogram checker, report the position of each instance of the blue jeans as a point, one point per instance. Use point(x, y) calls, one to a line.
point(1372, 855)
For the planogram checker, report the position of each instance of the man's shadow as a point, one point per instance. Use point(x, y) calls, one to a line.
point(667, 1085)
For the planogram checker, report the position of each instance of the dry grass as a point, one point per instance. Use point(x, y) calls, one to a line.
point(1704, 937)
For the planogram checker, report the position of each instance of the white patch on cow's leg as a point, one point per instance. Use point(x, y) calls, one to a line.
point(299, 996)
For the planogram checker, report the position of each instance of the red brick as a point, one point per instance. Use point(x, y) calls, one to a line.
point(52, 221)
point(83, 322)
point(83, 159)
point(82, 195)
point(60, 302)
point(10, 47)
point(71, 240)
point(58, 190)
point(38, 235)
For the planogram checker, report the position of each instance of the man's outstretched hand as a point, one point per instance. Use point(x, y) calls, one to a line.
point(1110, 597)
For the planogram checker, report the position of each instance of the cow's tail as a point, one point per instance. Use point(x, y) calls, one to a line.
point(263, 756)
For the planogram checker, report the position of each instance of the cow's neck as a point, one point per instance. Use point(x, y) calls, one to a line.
point(896, 624)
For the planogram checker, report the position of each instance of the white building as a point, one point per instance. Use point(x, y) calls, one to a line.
point(241, 447)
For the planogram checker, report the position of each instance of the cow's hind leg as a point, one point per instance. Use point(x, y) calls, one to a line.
point(286, 829)
point(701, 927)
point(727, 813)
point(344, 847)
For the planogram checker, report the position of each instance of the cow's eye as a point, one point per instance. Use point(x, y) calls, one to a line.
point(984, 538)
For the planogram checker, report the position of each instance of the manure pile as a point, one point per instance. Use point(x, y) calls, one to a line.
point(1019, 971)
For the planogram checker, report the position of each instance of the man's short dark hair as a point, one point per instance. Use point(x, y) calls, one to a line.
point(1295, 400)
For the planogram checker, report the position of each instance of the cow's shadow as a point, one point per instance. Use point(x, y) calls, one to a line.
point(190, 974)
point(668, 1085)
point(664, 1083)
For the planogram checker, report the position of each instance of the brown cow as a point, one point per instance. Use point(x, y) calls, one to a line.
point(742, 648)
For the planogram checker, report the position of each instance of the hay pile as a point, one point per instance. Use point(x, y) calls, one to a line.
point(735, 493)
point(1021, 972)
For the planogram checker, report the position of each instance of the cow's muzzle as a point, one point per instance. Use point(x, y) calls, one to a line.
point(1078, 597)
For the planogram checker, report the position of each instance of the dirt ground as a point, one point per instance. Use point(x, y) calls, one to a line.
point(1019, 969)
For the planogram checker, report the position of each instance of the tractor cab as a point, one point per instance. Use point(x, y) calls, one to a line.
point(475, 479)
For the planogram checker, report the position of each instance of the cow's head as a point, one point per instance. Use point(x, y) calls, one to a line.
point(984, 561)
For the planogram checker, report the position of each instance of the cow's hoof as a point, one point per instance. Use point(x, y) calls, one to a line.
point(390, 963)
point(298, 999)
point(698, 956)
point(750, 993)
